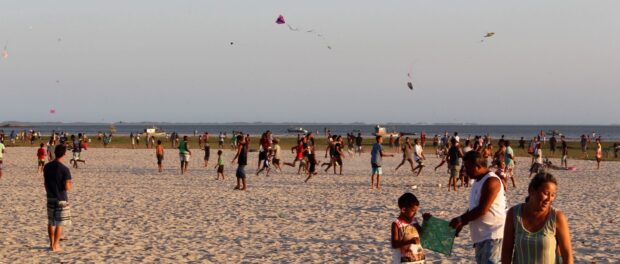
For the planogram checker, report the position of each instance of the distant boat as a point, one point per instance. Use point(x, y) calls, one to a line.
point(154, 131)
point(297, 130)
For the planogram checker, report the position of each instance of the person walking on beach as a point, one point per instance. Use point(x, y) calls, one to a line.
point(41, 153)
point(207, 150)
point(277, 155)
point(50, 149)
point(534, 231)
point(376, 161)
point(219, 165)
point(509, 162)
point(584, 146)
point(184, 154)
point(358, 143)
point(76, 148)
point(537, 166)
point(242, 161)
point(453, 159)
point(487, 210)
point(220, 142)
point(57, 181)
point(159, 154)
point(133, 140)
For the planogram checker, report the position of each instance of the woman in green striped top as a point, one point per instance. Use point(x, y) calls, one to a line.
point(534, 231)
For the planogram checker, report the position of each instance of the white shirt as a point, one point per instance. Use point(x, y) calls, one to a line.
point(417, 152)
point(491, 224)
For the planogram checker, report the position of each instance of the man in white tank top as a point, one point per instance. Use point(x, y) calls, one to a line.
point(487, 210)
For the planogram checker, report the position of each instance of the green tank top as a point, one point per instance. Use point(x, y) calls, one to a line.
point(183, 147)
point(534, 247)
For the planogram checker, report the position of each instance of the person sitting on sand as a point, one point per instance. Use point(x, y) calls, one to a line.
point(220, 165)
point(376, 161)
point(534, 231)
point(406, 231)
point(159, 154)
point(57, 181)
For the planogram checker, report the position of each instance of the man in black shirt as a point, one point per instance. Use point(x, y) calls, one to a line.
point(57, 181)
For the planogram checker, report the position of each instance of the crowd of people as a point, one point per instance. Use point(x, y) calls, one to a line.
point(531, 232)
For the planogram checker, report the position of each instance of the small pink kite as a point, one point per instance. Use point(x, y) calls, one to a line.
point(280, 20)
point(53, 111)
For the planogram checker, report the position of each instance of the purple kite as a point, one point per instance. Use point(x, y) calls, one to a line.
point(280, 20)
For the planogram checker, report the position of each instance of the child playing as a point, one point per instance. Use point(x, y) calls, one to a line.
point(41, 153)
point(537, 166)
point(376, 161)
point(159, 153)
point(406, 244)
point(266, 163)
point(311, 163)
point(219, 165)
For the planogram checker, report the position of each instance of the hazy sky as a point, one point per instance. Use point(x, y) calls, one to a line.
point(555, 62)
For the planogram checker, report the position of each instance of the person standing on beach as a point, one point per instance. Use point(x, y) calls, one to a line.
point(41, 153)
point(549, 233)
point(219, 165)
point(358, 143)
point(242, 161)
point(57, 181)
point(133, 140)
point(537, 166)
point(584, 146)
point(376, 161)
point(159, 154)
point(487, 210)
point(599, 153)
point(76, 147)
point(2, 147)
point(184, 154)
point(564, 147)
point(207, 150)
point(220, 142)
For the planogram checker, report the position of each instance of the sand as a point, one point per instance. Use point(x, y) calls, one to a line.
point(125, 211)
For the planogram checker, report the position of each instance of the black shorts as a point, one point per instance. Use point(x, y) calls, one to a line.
point(276, 161)
point(159, 159)
point(41, 162)
point(220, 169)
point(338, 160)
point(262, 155)
point(241, 172)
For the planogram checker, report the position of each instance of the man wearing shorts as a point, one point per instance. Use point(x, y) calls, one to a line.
point(454, 162)
point(57, 183)
point(242, 161)
point(564, 146)
point(184, 154)
point(376, 161)
point(418, 155)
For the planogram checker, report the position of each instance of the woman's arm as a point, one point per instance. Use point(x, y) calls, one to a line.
point(563, 237)
point(509, 238)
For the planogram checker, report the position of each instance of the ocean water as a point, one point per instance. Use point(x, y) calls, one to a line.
point(572, 132)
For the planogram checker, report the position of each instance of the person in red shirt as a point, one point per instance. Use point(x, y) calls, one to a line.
point(299, 150)
point(41, 154)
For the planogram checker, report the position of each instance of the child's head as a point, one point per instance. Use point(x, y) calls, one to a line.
point(408, 205)
point(276, 141)
point(42, 144)
point(219, 152)
point(158, 142)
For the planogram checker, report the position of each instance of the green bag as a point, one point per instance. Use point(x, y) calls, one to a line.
point(437, 235)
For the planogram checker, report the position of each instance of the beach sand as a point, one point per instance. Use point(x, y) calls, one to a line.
point(125, 211)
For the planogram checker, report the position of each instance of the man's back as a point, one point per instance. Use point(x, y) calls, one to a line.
point(56, 175)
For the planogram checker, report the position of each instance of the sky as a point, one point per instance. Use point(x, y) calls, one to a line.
point(549, 62)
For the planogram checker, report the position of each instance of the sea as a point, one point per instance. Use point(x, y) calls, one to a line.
point(571, 132)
